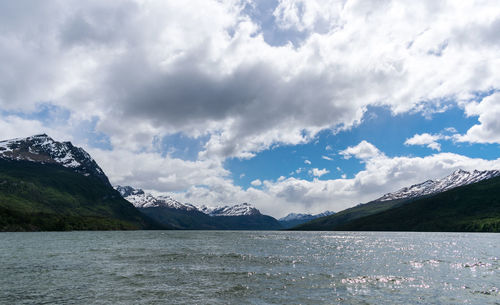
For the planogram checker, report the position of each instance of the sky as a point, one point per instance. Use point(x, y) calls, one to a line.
point(289, 105)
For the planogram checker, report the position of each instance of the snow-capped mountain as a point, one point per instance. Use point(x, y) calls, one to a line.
point(140, 199)
point(43, 149)
point(243, 209)
point(307, 217)
point(457, 178)
point(295, 219)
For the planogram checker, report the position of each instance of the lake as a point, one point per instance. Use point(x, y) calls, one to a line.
point(242, 267)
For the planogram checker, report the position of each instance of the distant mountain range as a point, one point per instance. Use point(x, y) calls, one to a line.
point(167, 210)
point(50, 185)
point(462, 201)
point(142, 200)
point(293, 219)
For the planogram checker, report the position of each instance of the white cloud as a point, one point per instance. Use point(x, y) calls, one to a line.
point(149, 170)
point(381, 175)
point(488, 129)
point(206, 69)
point(145, 69)
point(318, 172)
point(256, 182)
point(425, 139)
point(327, 158)
point(363, 151)
point(307, 162)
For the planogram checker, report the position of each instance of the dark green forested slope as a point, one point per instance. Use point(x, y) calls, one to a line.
point(195, 220)
point(328, 222)
point(41, 197)
point(471, 208)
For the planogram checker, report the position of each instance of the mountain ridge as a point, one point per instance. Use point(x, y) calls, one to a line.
point(458, 178)
point(43, 149)
point(185, 216)
point(359, 217)
point(141, 199)
point(294, 219)
point(47, 185)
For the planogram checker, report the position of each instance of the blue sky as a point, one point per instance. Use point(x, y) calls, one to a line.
point(290, 105)
point(386, 131)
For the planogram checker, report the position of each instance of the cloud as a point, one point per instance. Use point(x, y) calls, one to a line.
point(206, 69)
point(327, 158)
point(143, 70)
point(318, 172)
point(141, 170)
point(425, 139)
point(307, 162)
point(363, 151)
point(256, 182)
point(381, 175)
point(488, 129)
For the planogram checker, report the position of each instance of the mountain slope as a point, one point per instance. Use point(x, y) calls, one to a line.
point(291, 220)
point(40, 193)
point(362, 210)
point(242, 209)
point(401, 197)
point(429, 187)
point(43, 149)
point(166, 210)
point(471, 208)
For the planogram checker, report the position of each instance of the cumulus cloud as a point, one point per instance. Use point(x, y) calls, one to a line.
point(425, 139)
point(205, 67)
point(381, 175)
point(327, 158)
point(363, 151)
point(318, 172)
point(256, 182)
point(145, 69)
point(307, 162)
point(488, 129)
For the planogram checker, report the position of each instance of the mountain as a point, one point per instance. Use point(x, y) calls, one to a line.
point(169, 211)
point(455, 212)
point(142, 200)
point(293, 219)
point(243, 209)
point(468, 208)
point(43, 149)
point(457, 178)
point(361, 210)
point(50, 185)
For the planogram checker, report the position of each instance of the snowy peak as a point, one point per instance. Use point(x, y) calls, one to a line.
point(142, 200)
point(243, 209)
point(457, 178)
point(306, 217)
point(43, 149)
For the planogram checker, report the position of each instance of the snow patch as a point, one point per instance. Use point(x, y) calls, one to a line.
point(457, 178)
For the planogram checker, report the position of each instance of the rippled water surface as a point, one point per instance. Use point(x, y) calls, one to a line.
point(220, 267)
